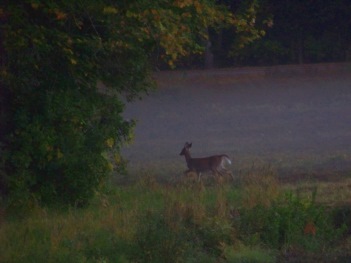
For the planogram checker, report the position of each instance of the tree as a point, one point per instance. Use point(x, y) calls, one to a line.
point(303, 31)
point(65, 68)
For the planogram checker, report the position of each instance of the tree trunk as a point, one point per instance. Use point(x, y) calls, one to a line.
point(208, 52)
point(300, 51)
point(208, 55)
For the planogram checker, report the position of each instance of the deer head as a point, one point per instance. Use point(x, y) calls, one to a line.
point(186, 148)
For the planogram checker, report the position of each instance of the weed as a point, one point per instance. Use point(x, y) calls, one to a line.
point(260, 186)
point(244, 254)
point(288, 222)
point(255, 220)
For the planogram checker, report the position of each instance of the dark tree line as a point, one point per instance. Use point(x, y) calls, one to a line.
point(290, 32)
point(304, 31)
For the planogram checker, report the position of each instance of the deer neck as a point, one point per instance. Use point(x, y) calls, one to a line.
point(187, 157)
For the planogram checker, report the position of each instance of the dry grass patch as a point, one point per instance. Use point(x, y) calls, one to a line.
point(332, 193)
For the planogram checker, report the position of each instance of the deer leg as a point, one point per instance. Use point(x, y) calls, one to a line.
point(214, 173)
point(218, 176)
point(229, 172)
point(224, 172)
point(191, 173)
point(218, 172)
point(186, 173)
point(199, 176)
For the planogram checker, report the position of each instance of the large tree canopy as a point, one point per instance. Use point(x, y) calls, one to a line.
point(57, 125)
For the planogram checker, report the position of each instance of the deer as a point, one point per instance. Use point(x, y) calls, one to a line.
point(215, 163)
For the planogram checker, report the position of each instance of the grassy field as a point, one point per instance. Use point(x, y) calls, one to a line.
point(255, 218)
point(290, 201)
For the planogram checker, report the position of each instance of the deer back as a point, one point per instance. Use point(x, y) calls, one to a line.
point(205, 164)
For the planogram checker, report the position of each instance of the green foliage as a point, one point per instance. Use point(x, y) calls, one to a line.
point(170, 224)
point(289, 222)
point(156, 239)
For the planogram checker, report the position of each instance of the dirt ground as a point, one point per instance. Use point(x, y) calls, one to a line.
point(296, 119)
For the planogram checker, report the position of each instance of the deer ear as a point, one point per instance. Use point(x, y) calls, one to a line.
point(190, 144)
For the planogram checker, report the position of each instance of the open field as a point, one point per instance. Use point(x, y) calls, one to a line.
point(288, 131)
point(296, 119)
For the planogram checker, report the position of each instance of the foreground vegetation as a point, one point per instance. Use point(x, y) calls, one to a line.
point(254, 219)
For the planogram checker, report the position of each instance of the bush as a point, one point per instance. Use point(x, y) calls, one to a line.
point(156, 240)
point(289, 222)
point(56, 154)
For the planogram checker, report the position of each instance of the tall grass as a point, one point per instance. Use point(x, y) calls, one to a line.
point(253, 220)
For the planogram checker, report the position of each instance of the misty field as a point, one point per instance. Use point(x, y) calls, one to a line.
point(296, 119)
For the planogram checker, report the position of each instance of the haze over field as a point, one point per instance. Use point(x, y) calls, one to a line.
point(295, 118)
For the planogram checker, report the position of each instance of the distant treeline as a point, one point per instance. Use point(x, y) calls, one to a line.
point(296, 32)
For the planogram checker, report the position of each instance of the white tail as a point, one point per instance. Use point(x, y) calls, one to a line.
point(216, 163)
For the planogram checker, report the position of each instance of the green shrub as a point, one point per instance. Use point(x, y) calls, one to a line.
point(243, 254)
point(290, 221)
point(157, 240)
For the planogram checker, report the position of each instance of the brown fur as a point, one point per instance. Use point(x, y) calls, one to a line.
point(214, 163)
